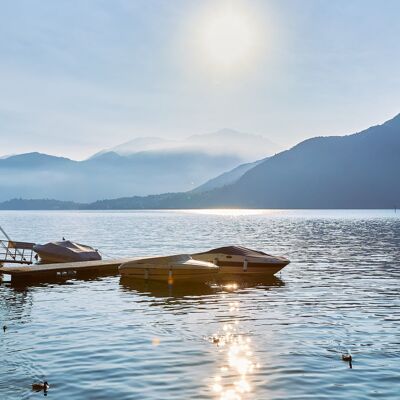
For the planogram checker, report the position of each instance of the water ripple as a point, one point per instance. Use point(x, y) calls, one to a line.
point(278, 339)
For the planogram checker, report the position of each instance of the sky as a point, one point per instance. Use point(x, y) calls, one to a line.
point(79, 76)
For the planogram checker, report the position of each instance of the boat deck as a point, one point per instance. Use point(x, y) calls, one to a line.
point(59, 270)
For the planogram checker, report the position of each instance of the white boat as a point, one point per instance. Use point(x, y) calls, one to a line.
point(169, 269)
point(234, 260)
point(65, 251)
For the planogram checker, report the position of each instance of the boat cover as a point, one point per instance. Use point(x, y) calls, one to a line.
point(236, 251)
point(164, 260)
point(67, 250)
point(179, 261)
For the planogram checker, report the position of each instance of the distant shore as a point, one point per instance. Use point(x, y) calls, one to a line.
point(170, 201)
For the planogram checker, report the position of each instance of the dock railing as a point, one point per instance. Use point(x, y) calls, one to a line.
point(16, 252)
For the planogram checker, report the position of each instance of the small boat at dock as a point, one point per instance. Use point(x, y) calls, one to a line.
point(169, 269)
point(234, 260)
point(65, 251)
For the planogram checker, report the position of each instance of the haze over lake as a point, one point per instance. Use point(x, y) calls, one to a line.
point(108, 338)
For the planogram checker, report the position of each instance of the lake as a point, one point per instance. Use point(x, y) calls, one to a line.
point(281, 338)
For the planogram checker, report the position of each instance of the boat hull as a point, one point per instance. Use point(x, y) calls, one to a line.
point(239, 265)
point(167, 274)
point(169, 269)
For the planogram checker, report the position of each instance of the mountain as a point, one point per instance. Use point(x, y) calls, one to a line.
point(36, 175)
point(152, 172)
point(140, 144)
point(354, 171)
point(227, 178)
point(142, 166)
point(33, 160)
point(247, 147)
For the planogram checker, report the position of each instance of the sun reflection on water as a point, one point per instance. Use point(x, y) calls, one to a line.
point(232, 212)
point(232, 380)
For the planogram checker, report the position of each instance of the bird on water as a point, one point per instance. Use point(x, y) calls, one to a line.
point(39, 386)
point(348, 358)
point(215, 340)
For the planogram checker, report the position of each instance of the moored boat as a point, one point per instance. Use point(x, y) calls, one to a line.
point(65, 251)
point(169, 269)
point(234, 260)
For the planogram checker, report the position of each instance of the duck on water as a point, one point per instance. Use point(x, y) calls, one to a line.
point(39, 386)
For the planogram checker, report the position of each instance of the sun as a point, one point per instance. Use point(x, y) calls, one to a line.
point(229, 39)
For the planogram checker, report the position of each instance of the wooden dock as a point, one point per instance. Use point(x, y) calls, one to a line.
point(64, 270)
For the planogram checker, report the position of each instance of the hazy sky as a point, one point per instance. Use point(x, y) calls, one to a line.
point(77, 76)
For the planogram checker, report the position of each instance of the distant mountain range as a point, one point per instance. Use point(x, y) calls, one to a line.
point(247, 147)
point(361, 170)
point(142, 166)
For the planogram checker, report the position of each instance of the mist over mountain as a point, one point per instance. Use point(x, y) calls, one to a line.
point(361, 170)
point(227, 178)
point(141, 167)
point(140, 144)
point(247, 147)
point(36, 175)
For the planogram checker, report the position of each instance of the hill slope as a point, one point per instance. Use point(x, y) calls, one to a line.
point(227, 178)
point(355, 171)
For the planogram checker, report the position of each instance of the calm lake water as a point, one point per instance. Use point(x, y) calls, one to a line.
point(279, 339)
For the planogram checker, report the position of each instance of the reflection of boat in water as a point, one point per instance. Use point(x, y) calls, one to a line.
point(171, 268)
point(65, 251)
point(194, 289)
point(161, 289)
point(239, 260)
point(242, 282)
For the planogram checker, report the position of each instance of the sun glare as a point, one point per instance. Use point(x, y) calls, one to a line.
point(232, 212)
point(233, 379)
point(229, 38)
